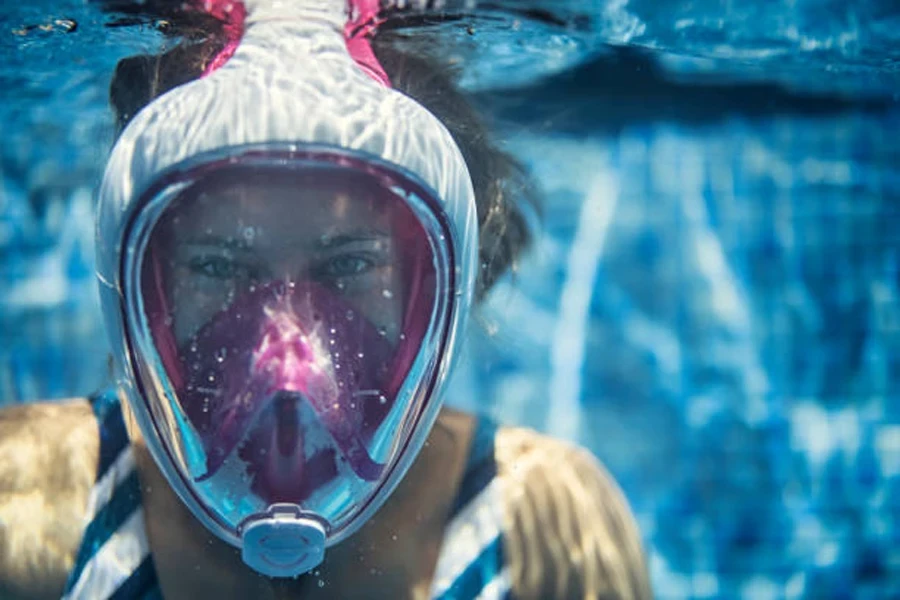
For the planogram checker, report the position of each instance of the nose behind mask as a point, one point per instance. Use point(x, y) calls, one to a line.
point(283, 344)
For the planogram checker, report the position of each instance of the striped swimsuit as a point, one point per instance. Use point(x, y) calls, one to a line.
point(114, 561)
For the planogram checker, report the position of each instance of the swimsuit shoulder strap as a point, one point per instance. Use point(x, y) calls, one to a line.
point(472, 562)
point(113, 560)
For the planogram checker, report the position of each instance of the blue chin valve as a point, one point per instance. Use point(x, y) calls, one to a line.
point(282, 542)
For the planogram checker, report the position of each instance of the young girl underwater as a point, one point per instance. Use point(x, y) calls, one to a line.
point(289, 246)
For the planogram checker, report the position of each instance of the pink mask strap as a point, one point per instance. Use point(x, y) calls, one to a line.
point(232, 14)
point(361, 26)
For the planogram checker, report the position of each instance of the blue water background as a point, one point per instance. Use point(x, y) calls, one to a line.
point(711, 305)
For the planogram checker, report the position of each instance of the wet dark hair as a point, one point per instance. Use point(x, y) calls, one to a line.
point(503, 190)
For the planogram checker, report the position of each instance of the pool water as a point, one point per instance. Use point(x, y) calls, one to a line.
point(711, 304)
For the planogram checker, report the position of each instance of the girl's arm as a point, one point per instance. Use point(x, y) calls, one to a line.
point(48, 462)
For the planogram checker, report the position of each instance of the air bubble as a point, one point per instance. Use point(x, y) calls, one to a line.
point(211, 378)
point(387, 293)
point(332, 331)
point(360, 355)
point(402, 336)
point(382, 399)
point(321, 583)
point(193, 346)
point(221, 353)
point(249, 233)
point(382, 331)
point(349, 315)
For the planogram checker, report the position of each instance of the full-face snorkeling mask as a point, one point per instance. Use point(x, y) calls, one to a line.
point(286, 252)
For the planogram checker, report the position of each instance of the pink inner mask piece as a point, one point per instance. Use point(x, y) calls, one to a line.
point(273, 349)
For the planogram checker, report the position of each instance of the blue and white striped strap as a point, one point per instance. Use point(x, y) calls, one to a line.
point(471, 564)
point(113, 560)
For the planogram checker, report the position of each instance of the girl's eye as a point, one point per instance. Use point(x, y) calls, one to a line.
point(217, 267)
point(346, 265)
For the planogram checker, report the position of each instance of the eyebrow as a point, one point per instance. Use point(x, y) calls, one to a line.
point(218, 241)
point(327, 242)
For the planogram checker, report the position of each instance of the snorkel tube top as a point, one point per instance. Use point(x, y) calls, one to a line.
point(361, 25)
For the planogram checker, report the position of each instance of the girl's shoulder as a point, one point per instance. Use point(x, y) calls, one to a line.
point(48, 464)
point(569, 530)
